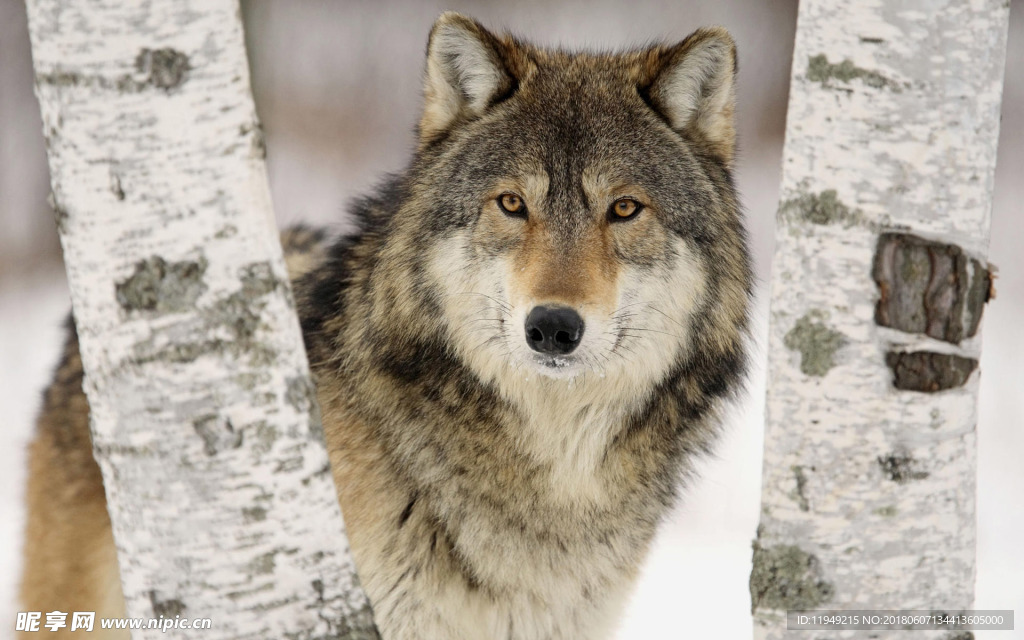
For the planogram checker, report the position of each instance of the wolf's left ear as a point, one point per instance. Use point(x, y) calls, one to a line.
point(693, 86)
point(466, 72)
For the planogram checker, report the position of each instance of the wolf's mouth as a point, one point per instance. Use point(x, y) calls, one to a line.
point(557, 363)
point(557, 366)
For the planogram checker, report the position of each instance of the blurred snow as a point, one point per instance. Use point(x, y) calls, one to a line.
point(337, 87)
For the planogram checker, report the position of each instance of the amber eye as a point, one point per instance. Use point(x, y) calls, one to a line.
point(624, 209)
point(512, 204)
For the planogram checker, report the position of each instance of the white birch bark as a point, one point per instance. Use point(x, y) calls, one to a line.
point(204, 418)
point(868, 498)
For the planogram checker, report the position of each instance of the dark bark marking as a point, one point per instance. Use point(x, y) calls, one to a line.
point(350, 625)
point(254, 514)
point(165, 608)
point(300, 393)
point(60, 214)
point(218, 434)
point(166, 287)
point(259, 140)
point(115, 186)
point(258, 279)
point(787, 577)
point(165, 68)
point(926, 287)
point(801, 486)
point(901, 467)
point(161, 286)
point(928, 371)
point(263, 564)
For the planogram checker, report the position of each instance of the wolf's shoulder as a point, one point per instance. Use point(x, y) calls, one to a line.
point(305, 249)
point(323, 263)
point(318, 271)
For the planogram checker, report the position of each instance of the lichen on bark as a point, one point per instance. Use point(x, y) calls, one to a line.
point(816, 343)
point(820, 208)
point(161, 286)
point(787, 577)
point(819, 69)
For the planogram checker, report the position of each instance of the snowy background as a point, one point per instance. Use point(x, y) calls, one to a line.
point(337, 87)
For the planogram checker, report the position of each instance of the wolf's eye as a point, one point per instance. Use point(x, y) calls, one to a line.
point(512, 205)
point(624, 209)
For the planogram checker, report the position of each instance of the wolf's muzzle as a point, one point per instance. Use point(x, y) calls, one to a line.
point(553, 330)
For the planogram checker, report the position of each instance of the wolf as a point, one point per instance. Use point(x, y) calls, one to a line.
point(518, 356)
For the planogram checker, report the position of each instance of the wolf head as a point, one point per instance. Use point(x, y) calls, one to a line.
point(572, 215)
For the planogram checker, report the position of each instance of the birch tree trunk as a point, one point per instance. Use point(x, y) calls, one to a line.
point(878, 285)
point(204, 417)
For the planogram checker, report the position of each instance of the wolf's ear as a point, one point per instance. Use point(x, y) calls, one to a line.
point(693, 87)
point(466, 72)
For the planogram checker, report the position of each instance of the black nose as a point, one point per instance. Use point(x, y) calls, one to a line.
point(553, 330)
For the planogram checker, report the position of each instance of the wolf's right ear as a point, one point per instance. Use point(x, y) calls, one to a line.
point(466, 72)
point(692, 85)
